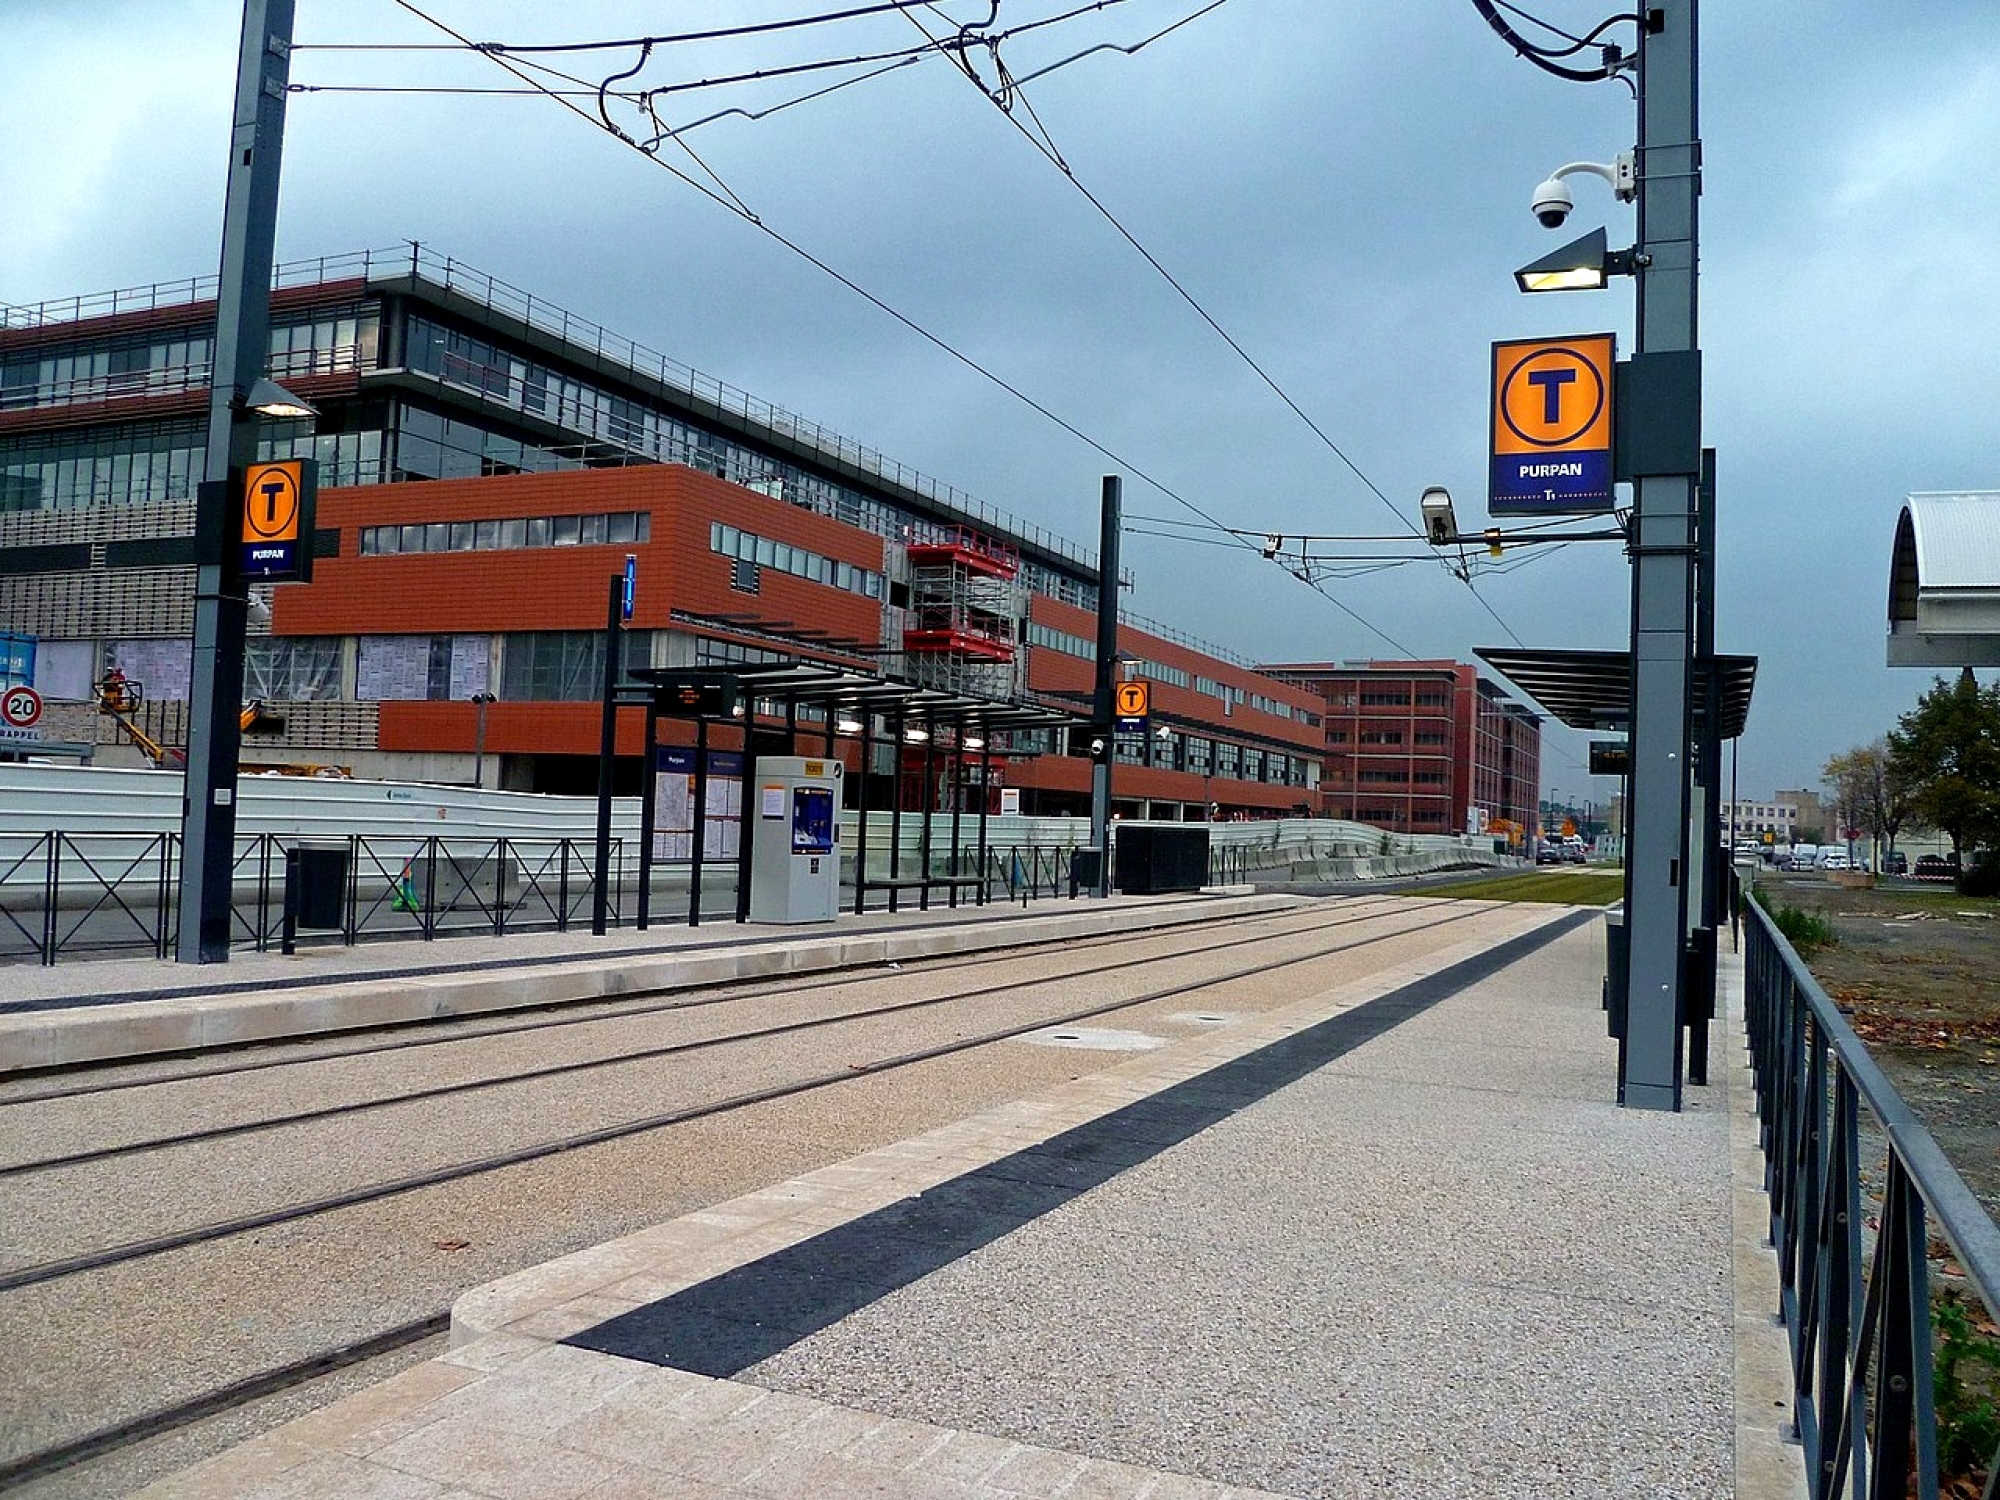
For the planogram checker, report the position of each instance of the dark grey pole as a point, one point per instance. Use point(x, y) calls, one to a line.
point(1101, 714)
point(861, 811)
point(1663, 568)
point(985, 799)
point(699, 817)
point(899, 726)
point(924, 871)
point(242, 349)
point(648, 814)
point(479, 702)
point(607, 750)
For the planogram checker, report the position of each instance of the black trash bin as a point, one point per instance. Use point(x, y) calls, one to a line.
point(315, 888)
point(1084, 865)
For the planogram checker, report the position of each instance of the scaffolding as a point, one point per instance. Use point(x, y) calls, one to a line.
point(962, 632)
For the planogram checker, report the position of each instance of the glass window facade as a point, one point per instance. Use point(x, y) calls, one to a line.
point(562, 666)
point(745, 546)
point(297, 668)
point(498, 535)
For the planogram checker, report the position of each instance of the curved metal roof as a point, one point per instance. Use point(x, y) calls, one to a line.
point(1944, 581)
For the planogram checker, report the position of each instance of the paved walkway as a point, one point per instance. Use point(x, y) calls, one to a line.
point(1395, 1239)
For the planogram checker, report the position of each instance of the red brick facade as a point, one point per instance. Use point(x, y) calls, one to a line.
point(1418, 746)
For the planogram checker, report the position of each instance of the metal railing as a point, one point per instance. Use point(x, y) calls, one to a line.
point(115, 894)
point(1859, 1317)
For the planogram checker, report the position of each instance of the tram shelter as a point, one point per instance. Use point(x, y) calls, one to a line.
point(805, 708)
point(1592, 690)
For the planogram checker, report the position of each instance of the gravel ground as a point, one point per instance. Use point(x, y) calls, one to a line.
point(1341, 1291)
point(1918, 971)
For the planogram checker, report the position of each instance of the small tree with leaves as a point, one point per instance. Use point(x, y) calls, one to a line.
point(1946, 752)
point(1869, 793)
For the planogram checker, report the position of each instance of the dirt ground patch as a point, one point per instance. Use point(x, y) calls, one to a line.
point(1918, 972)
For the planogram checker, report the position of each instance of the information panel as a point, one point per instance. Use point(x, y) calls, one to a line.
point(673, 806)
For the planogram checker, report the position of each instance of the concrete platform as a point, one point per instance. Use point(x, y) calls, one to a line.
point(81, 1011)
point(1393, 1239)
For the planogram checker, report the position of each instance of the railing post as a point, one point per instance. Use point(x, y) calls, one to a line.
point(427, 901)
point(51, 891)
point(163, 896)
point(562, 882)
point(503, 862)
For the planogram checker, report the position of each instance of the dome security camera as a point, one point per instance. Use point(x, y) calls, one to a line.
point(1553, 203)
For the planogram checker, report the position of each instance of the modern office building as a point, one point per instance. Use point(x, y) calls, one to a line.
point(1422, 747)
point(486, 463)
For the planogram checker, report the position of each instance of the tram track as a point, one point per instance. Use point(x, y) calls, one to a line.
point(413, 1322)
point(53, 1270)
point(254, 1057)
point(556, 1070)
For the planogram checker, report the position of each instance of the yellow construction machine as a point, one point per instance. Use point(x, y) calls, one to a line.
point(121, 697)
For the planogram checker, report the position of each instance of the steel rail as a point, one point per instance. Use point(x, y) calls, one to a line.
point(670, 1049)
point(132, 1250)
point(555, 1015)
point(237, 1393)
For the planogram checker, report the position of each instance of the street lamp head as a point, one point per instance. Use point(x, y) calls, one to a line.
point(1583, 265)
point(1440, 523)
point(269, 399)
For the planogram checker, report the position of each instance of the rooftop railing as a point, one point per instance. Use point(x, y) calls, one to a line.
point(581, 334)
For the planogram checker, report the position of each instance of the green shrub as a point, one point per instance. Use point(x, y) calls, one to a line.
point(1968, 1420)
point(1804, 930)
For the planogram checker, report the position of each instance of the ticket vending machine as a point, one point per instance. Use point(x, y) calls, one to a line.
point(795, 850)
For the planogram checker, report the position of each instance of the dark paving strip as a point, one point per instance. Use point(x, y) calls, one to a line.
point(723, 1326)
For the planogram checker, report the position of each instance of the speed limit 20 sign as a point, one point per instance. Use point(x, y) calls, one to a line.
point(20, 714)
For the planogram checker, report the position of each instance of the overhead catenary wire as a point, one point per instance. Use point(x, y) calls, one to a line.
point(727, 201)
point(1046, 146)
point(725, 33)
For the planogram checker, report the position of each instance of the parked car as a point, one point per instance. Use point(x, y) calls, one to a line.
point(1936, 867)
point(1832, 859)
point(1895, 862)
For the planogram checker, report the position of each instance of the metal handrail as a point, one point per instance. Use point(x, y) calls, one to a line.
point(1860, 1329)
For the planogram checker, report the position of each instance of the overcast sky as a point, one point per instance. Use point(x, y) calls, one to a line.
point(1342, 187)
